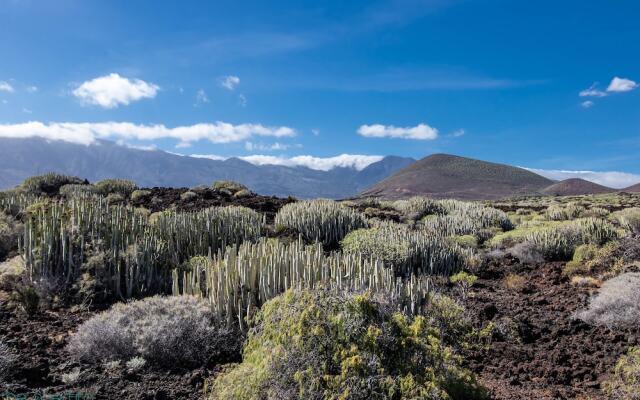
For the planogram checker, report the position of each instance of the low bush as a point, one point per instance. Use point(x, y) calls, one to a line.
point(140, 194)
point(416, 208)
point(123, 187)
point(168, 331)
point(325, 221)
point(49, 184)
point(625, 382)
point(315, 345)
point(11, 272)
point(188, 196)
point(231, 186)
point(617, 303)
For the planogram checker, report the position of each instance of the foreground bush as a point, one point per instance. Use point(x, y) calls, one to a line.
point(625, 383)
point(617, 304)
point(168, 331)
point(325, 221)
point(49, 183)
point(314, 345)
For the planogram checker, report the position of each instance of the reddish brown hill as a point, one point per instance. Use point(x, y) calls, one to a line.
point(632, 189)
point(447, 176)
point(575, 187)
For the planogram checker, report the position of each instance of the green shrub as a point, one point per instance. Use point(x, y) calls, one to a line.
point(188, 196)
point(579, 263)
point(231, 186)
point(416, 208)
point(176, 331)
point(468, 241)
point(320, 220)
point(241, 194)
point(315, 345)
point(11, 272)
point(114, 198)
point(139, 194)
point(122, 187)
point(48, 184)
point(625, 382)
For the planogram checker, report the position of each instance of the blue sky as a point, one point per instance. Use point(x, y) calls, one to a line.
point(498, 80)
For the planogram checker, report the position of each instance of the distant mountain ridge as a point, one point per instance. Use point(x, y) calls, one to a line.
point(448, 176)
point(21, 158)
point(576, 187)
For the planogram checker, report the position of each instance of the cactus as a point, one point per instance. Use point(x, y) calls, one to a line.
point(325, 221)
point(239, 280)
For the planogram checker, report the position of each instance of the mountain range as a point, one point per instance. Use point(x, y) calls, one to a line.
point(437, 175)
point(21, 158)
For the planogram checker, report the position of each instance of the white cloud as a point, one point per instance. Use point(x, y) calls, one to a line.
point(112, 90)
point(242, 99)
point(230, 82)
point(250, 146)
point(316, 132)
point(587, 104)
point(32, 89)
point(419, 132)
point(612, 179)
point(201, 97)
point(621, 85)
point(355, 161)
point(207, 156)
point(87, 133)
point(27, 111)
point(458, 133)
point(593, 91)
point(6, 87)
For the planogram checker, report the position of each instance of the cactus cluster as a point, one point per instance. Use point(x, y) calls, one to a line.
point(140, 251)
point(464, 218)
point(325, 221)
point(239, 280)
point(408, 251)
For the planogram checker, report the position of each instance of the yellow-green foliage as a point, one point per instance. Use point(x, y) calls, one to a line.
point(231, 186)
point(48, 183)
point(625, 383)
point(467, 241)
point(579, 264)
point(405, 249)
point(122, 187)
point(629, 219)
point(139, 194)
point(315, 345)
point(320, 220)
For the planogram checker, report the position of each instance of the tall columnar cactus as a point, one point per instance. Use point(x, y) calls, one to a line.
point(239, 280)
point(325, 221)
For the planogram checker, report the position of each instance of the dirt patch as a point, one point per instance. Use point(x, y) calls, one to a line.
point(40, 343)
point(552, 355)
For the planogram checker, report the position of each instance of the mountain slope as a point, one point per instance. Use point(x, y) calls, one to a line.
point(448, 176)
point(575, 187)
point(632, 189)
point(20, 158)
